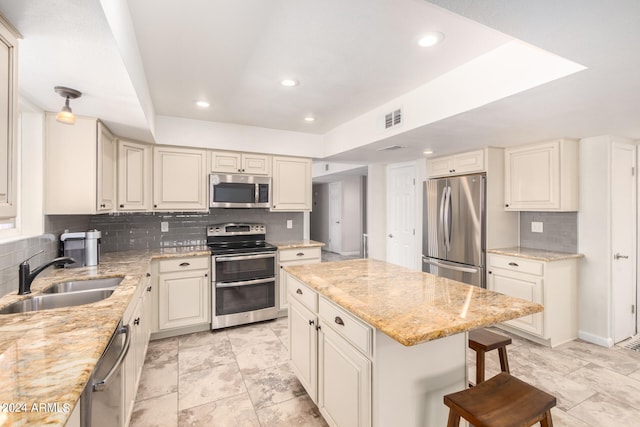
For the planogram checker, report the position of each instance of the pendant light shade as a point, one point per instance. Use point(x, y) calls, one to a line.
point(66, 115)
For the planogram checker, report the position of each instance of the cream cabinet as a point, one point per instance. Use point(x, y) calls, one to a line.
point(457, 164)
point(8, 120)
point(552, 284)
point(234, 162)
point(134, 164)
point(138, 318)
point(293, 256)
point(183, 293)
point(291, 184)
point(542, 177)
point(179, 179)
point(330, 353)
point(80, 167)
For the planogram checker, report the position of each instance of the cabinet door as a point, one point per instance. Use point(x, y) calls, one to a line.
point(344, 381)
point(472, 161)
point(256, 164)
point(532, 177)
point(106, 185)
point(8, 122)
point(179, 179)
point(225, 161)
point(291, 184)
point(303, 346)
point(440, 167)
point(134, 176)
point(524, 286)
point(183, 299)
point(130, 362)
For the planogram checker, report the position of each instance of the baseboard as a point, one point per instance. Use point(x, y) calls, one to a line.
point(595, 339)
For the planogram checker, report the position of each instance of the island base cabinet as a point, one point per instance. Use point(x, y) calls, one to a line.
point(303, 346)
point(344, 382)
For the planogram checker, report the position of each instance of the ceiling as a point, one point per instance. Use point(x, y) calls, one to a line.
point(350, 57)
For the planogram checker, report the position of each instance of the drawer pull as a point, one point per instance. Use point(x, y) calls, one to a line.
point(299, 291)
point(184, 264)
point(514, 264)
point(300, 254)
point(339, 321)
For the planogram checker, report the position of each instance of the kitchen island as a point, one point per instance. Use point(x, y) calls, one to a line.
point(378, 344)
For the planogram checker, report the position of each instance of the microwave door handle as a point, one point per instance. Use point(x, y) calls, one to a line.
point(244, 283)
point(102, 384)
point(244, 257)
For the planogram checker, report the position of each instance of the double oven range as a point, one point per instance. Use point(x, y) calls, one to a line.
point(243, 274)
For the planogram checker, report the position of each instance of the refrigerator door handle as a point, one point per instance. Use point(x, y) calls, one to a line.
point(447, 218)
point(443, 200)
point(449, 266)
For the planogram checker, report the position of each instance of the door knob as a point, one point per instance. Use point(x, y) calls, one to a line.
point(618, 256)
point(390, 235)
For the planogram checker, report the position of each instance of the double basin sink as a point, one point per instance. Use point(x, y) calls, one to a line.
point(66, 294)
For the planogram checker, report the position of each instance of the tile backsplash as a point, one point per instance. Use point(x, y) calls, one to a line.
point(560, 231)
point(13, 253)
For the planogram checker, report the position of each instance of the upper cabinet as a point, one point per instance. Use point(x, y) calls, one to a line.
point(542, 177)
point(179, 179)
point(79, 167)
point(134, 176)
point(291, 184)
point(8, 120)
point(457, 164)
point(233, 162)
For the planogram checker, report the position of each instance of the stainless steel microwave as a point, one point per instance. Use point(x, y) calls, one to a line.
point(239, 191)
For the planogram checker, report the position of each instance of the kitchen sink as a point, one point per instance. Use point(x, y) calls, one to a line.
point(46, 302)
point(83, 285)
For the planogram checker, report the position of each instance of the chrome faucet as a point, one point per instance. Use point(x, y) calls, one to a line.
point(26, 276)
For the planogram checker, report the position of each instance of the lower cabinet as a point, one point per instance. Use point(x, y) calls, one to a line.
point(138, 317)
point(183, 293)
point(293, 256)
point(553, 284)
point(325, 348)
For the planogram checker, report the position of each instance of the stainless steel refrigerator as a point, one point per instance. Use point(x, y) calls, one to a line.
point(453, 242)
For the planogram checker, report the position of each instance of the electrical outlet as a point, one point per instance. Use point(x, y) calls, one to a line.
point(164, 226)
point(289, 223)
point(536, 227)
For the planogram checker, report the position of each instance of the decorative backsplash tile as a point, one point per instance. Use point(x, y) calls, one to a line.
point(560, 231)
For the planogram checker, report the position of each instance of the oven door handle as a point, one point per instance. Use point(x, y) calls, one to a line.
point(244, 257)
point(100, 385)
point(244, 283)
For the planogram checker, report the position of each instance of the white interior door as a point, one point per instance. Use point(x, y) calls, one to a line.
point(335, 217)
point(623, 242)
point(401, 215)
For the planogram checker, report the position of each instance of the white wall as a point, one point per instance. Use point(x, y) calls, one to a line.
point(377, 211)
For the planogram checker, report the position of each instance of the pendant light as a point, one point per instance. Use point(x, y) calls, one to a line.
point(66, 115)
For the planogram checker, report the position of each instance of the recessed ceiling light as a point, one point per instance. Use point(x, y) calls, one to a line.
point(202, 104)
point(430, 39)
point(309, 119)
point(289, 82)
point(427, 152)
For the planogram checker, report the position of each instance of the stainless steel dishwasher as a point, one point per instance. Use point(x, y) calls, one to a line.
point(102, 402)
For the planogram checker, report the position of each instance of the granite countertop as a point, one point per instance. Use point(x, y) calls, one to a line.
point(294, 244)
point(409, 306)
point(46, 357)
point(535, 254)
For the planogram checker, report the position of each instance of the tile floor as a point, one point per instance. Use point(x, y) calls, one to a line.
point(241, 377)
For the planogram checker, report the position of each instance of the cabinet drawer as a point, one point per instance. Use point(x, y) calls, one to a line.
point(302, 293)
point(517, 264)
point(353, 329)
point(299, 254)
point(189, 263)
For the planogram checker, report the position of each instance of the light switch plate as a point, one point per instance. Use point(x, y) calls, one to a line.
point(289, 223)
point(536, 227)
point(164, 226)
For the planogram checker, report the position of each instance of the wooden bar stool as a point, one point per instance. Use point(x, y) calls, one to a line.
point(483, 340)
point(501, 401)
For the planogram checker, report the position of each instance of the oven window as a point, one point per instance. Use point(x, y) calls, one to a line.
point(245, 269)
point(226, 192)
point(239, 299)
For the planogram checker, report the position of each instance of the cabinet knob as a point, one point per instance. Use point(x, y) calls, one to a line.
point(136, 321)
point(318, 328)
point(491, 272)
point(148, 274)
point(311, 322)
point(299, 291)
point(149, 289)
point(506, 205)
point(339, 321)
point(155, 206)
point(122, 206)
